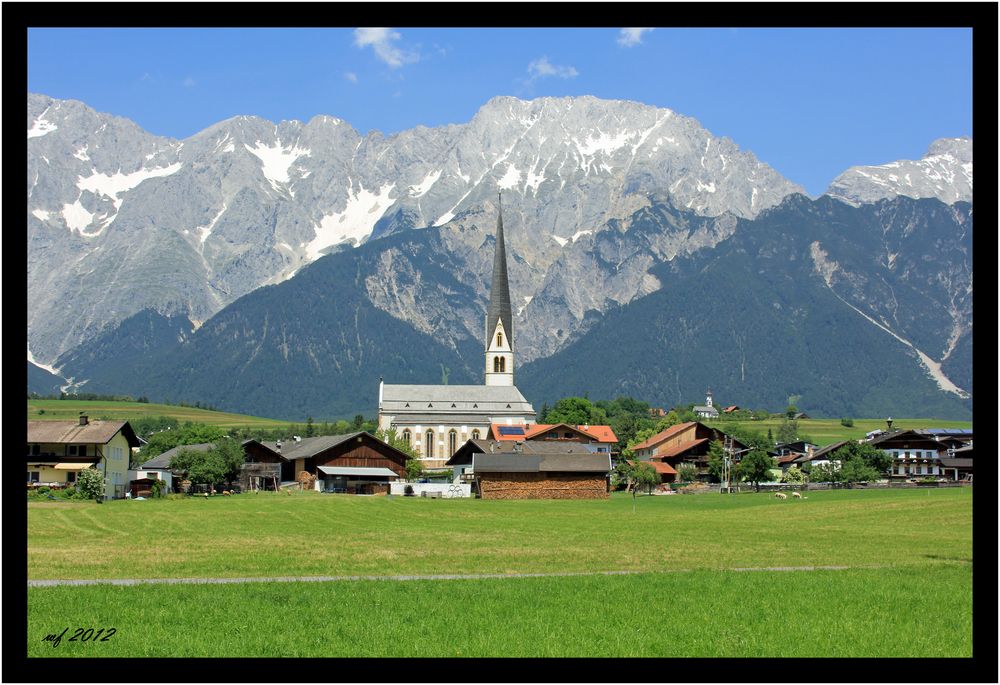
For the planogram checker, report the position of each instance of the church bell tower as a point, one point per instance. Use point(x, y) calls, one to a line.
point(499, 324)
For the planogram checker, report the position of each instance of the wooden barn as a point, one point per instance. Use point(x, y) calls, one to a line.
point(358, 463)
point(533, 470)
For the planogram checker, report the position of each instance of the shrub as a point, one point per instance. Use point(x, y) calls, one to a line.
point(90, 484)
point(69, 493)
point(44, 490)
point(408, 490)
point(687, 472)
point(849, 423)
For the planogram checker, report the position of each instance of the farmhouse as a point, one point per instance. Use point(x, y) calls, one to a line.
point(918, 452)
point(600, 438)
point(685, 443)
point(436, 419)
point(59, 450)
point(533, 470)
point(159, 467)
point(358, 463)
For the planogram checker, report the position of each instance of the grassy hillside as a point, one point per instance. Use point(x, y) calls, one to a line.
point(826, 431)
point(55, 410)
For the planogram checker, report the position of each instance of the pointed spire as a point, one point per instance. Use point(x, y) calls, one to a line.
point(499, 307)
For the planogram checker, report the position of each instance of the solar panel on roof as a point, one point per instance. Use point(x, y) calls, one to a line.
point(511, 430)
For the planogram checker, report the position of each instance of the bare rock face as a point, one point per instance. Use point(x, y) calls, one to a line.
point(120, 220)
point(945, 173)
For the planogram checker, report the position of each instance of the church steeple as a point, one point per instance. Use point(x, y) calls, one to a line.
point(499, 322)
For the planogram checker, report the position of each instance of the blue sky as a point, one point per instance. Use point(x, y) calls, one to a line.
point(809, 102)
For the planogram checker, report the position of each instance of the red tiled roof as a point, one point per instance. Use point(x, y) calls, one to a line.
point(664, 435)
point(598, 433)
point(662, 467)
point(730, 409)
point(788, 457)
point(495, 433)
point(680, 448)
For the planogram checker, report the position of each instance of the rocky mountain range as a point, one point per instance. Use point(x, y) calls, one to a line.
point(945, 173)
point(257, 266)
point(186, 227)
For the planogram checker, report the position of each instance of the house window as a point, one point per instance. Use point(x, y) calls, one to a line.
point(71, 476)
point(34, 450)
point(499, 339)
point(33, 476)
point(77, 450)
point(429, 438)
point(452, 441)
point(406, 436)
point(475, 434)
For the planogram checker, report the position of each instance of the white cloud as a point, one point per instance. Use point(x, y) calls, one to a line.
point(188, 82)
point(629, 37)
point(381, 41)
point(541, 68)
point(351, 76)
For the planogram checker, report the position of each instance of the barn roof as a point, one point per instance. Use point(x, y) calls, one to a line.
point(590, 462)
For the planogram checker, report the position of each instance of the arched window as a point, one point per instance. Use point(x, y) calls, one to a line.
point(406, 436)
point(496, 364)
point(499, 339)
point(452, 441)
point(503, 364)
point(475, 434)
point(429, 447)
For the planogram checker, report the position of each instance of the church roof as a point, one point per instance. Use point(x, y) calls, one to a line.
point(499, 307)
point(467, 399)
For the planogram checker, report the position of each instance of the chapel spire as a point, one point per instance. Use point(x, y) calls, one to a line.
point(499, 322)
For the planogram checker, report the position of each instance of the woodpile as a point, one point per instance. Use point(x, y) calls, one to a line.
point(693, 488)
point(542, 486)
point(306, 480)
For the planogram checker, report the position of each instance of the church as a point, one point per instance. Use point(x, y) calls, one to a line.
point(437, 419)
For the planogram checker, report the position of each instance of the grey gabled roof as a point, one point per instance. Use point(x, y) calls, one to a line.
point(482, 400)
point(163, 461)
point(541, 463)
point(499, 307)
point(308, 447)
point(464, 454)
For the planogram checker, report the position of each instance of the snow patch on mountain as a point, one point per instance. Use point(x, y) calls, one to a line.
point(76, 216)
point(41, 126)
point(510, 179)
point(354, 224)
point(114, 185)
point(276, 160)
point(48, 367)
point(421, 188)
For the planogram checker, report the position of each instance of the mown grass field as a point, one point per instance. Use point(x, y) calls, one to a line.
point(56, 410)
point(686, 599)
point(857, 613)
point(269, 534)
point(826, 431)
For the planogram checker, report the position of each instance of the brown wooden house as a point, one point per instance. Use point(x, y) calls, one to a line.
point(685, 443)
point(358, 463)
point(533, 470)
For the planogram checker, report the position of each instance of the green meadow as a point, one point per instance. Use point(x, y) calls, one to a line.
point(55, 410)
point(826, 431)
point(308, 533)
point(686, 595)
point(855, 613)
